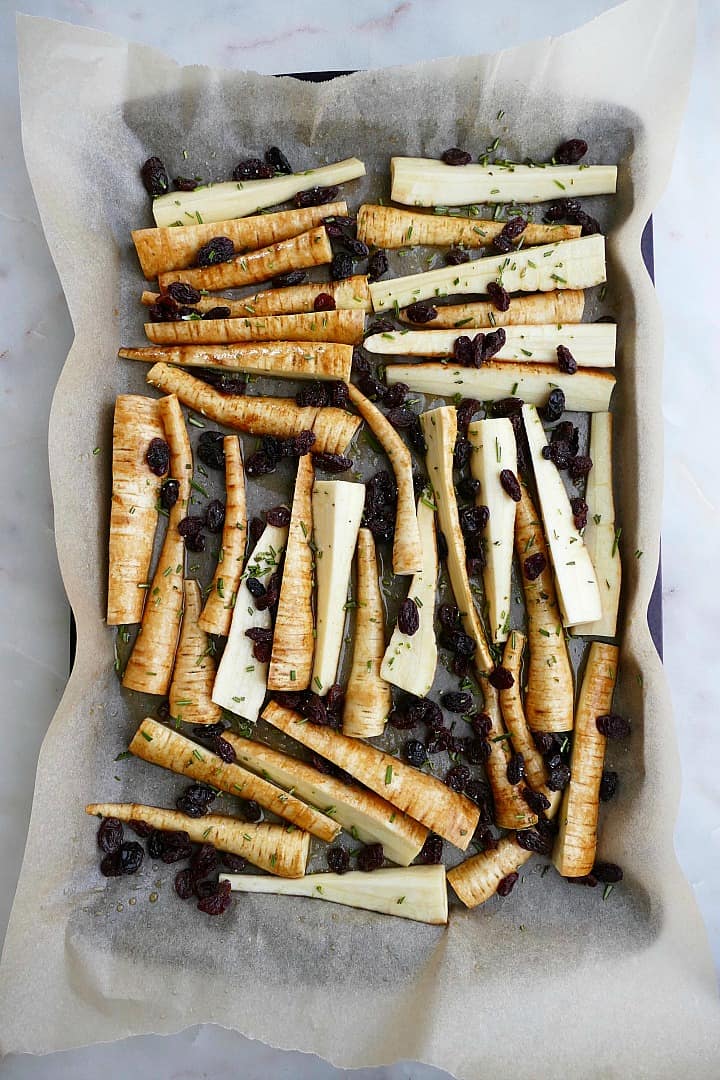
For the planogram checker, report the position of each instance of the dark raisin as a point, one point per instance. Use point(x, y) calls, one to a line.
point(448, 616)
point(356, 248)
point(478, 346)
point(269, 600)
point(401, 720)
point(537, 802)
point(332, 463)
point(370, 386)
point(545, 742)
point(378, 266)
point(204, 861)
point(456, 256)
point(260, 464)
point(558, 777)
point(154, 177)
point(570, 152)
point(476, 751)
point(559, 453)
point(371, 857)
point(183, 293)
point(493, 343)
point(463, 350)
point(456, 701)
point(204, 888)
point(590, 225)
point(468, 487)
point(223, 382)
point(567, 432)
point(566, 361)
point(338, 394)
point(499, 296)
point(251, 810)
point(516, 769)
point(185, 183)
point(382, 528)
point(312, 395)
point(140, 828)
point(534, 565)
point(253, 169)
point(169, 492)
point(184, 884)
point(217, 313)
point(607, 872)
point(510, 484)
point(316, 196)
point(541, 842)
point(579, 467)
point(256, 527)
point(338, 860)
point(424, 711)
point(214, 516)
point(155, 844)
point(292, 277)
point(608, 785)
point(126, 860)
point(474, 567)
point(401, 418)
point(461, 453)
point(455, 156)
point(501, 244)
point(312, 708)
point(158, 457)
point(440, 740)
point(554, 407)
point(275, 157)
point(481, 724)
point(506, 885)
point(465, 412)
point(514, 227)
point(195, 800)
point(335, 698)
point(175, 846)
point(415, 753)
point(110, 835)
point(218, 902)
point(417, 439)
point(279, 516)
point(473, 519)
point(324, 302)
point(394, 397)
point(190, 528)
point(255, 588)
point(457, 777)
point(580, 513)
point(341, 266)
point(218, 250)
point(613, 726)
point(165, 310)
point(431, 852)
point(408, 620)
point(232, 862)
point(421, 311)
point(380, 326)
point(501, 678)
point(224, 750)
point(563, 208)
point(298, 445)
point(210, 449)
point(486, 838)
point(460, 643)
point(262, 639)
point(338, 227)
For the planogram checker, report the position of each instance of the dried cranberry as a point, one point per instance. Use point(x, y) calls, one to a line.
point(456, 256)
point(421, 311)
point(154, 177)
point(110, 835)
point(579, 467)
point(324, 302)
point(253, 169)
point(415, 753)
point(371, 857)
point(613, 726)
point(499, 296)
point(590, 225)
point(224, 750)
point(506, 885)
point(558, 777)
point(561, 209)
point(537, 802)
point(501, 678)
point(292, 277)
point(378, 266)
point(262, 639)
point(455, 156)
point(463, 350)
point(185, 183)
point(510, 484)
point(214, 516)
point(275, 157)
point(408, 620)
point(140, 828)
point(570, 152)
point(493, 343)
point(316, 196)
point(175, 846)
point(608, 785)
point(251, 811)
point(218, 902)
point(461, 452)
point(535, 840)
point(195, 800)
point(465, 412)
point(516, 769)
point(184, 884)
point(456, 701)
point(566, 361)
point(218, 250)
point(607, 872)
point(580, 513)
point(457, 777)
point(338, 860)
point(232, 862)
point(554, 407)
point(158, 457)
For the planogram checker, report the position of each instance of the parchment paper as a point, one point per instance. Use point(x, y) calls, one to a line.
point(553, 982)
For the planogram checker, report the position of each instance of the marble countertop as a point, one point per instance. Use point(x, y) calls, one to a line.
point(35, 335)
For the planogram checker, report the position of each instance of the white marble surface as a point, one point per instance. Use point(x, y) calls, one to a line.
point(35, 333)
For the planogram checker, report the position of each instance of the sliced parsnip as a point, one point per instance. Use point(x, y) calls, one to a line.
point(407, 548)
point(271, 847)
point(388, 227)
point(430, 182)
point(368, 699)
point(511, 810)
point(337, 507)
point(600, 536)
point(493, 451)
point(576, 842)
point(218, 610)
point(423, 797)
point(366, 816)
point(194, 672)
point(149, 667)
point(550, 694)
point(577, 586)
point(562, 307)
point(176, 247)
point(133, 507)
point(410, 660)
point(416, 892)
point(476, 880)
point(309, 249)
point(231, 199)
point(569, 264)
point(293, 642)
point(591, 344)
point(585, 391)
point(160, 745)
point(342, 327)
point(241, 681)
point(350, 294)
point(333, 428)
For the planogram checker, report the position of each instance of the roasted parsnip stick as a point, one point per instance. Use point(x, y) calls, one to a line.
point(511, 810)
point(177, 247)
point(271, 847)
point(476, 880)
point(562, 307)
point(333, 428)
point(407, 549)
point(576, 842)
point(150, 665)
point(190, 693)
point(284, 359)
point(342, 327)
point(351, 294)
point(309, 249)
point(162, 746)
point(423, 797)
point(217, 612)
point(367, 697)
point(133, 507)
point(293, 641)
point(388, 227)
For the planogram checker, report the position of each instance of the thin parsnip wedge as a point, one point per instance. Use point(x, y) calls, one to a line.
point(476, 880)
point(293, 641)
point(241, 681)
point(600, 536)
point(562, 307)
point(423, 797)
point(231, 199)
point(388, 227)
point(585, 391)
point(569, 264)
point(333, 428)
point(591, 344)
point(550, 695)
point(218, 610)
point(190, 693)
point(366, 816)
point(494, 450)
point(160, 745)
point(511, 809)
point(284, 359)
point(270, 847)
point(577, 586)
point(574, 853)
point(430, 182)
point(407, 548)
point(177, 247)
point(133, 507)
point(337, 507)
point(342, 327)
point(368, 699)
point(410, 660)
point(308, 249)
point(150, 665)
point(351, 294)
point(416, 892)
